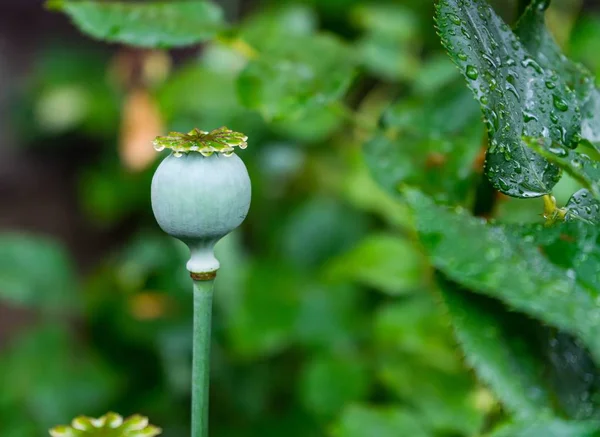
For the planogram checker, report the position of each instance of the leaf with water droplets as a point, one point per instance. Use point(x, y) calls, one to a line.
point(498, 264)
point(159, 24)
point(495, 344)
point(579, 165)
point(583, 206)
point(533, 33)
point(549, 428)
point(573, 245)
point(515, 98)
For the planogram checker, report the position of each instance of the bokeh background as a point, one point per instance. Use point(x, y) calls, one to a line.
point(326, 321)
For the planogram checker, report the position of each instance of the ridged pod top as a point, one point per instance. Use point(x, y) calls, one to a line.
point(221, 140)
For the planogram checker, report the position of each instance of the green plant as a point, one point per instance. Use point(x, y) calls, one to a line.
point(199, 197)
point(369, 174)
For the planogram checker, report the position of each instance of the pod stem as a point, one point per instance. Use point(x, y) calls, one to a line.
point(203, 297)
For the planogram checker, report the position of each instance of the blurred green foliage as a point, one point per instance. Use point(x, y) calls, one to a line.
point(345, 306)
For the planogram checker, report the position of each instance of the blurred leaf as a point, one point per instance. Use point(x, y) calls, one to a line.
point(501, 266)
point(278, 22)
point(550, 428)
point(417, 361)
point(395, 22)
point(583, 206)
point(330, 316)
point(432, 143)
point(583, 44)
point(517, 96)
point(416, 327)
point(36, 271)
point(319, 230)
point(389, 48)
point(296, 75)
point(364, 193)
point(263, 323)
point(329, 383)
point(499, 353)
point(388, 59)
point(151, 24)
point(385, 262)
point(361, 421)
point(108, 193)
point(531, 30)
point(44, 373)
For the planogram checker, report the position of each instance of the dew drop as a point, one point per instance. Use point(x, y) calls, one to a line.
point(528, 116)
point(472, 72)
point(455, 19)
point(559, 103)
point(177, 154)
point(159, 147)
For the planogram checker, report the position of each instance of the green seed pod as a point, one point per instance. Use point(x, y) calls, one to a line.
point(199, 198)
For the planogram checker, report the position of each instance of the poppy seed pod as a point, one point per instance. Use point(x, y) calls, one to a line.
point(201, 192)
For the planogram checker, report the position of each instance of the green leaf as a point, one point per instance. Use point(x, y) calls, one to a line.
point(494, 344)
point(361, 421)
point(263, 320)
point(295, 75)
point(390, 45)
point(583, 206)
point(36, 271)
point(533, 33)
point(431, 143)
point(329, 383)
point(384, 262)
point(517, 96)
point(151, 24)
point(499, 265)
point(579, 165)
point(44, 370)
point(572, 246)
point(417, 361)
point(549, 428)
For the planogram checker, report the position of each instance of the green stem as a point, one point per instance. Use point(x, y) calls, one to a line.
point(203, 296)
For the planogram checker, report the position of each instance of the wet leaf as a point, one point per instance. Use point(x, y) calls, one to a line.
point(497, 264)
point(151, 24)
point(583, 206)
point(533, 33)
point(499, 352)
point(579, 165)
point(549, 428)
point(517, 96)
